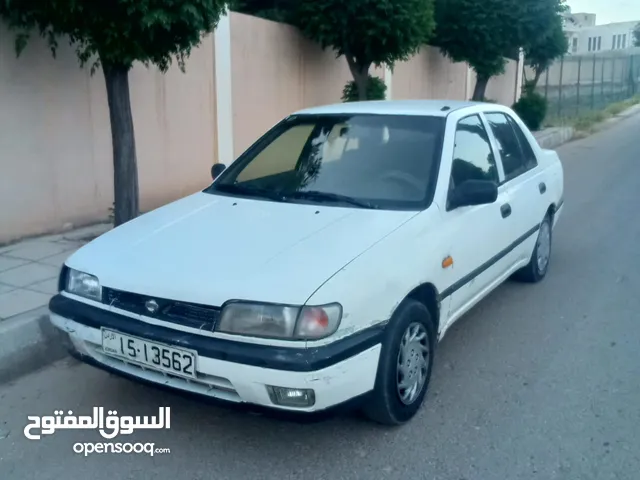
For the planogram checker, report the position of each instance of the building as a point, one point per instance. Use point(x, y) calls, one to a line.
point(587, 37)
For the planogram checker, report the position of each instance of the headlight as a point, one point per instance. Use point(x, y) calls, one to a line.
point(280, 321)
point(84, 285)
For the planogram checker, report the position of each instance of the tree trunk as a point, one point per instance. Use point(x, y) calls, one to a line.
point(360, 76)
point(536, 79)
point(481, 88)
point(125, 169)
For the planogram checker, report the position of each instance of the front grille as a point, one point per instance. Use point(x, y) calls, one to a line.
point(202, 317)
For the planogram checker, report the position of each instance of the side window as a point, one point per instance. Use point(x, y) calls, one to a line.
point(529, 157)
point(473, 158)
point(513, 159)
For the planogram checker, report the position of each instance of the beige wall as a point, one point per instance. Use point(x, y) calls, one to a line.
point(55, 141)
point(430, 75)
point(276, 71)
point(503, 88)
point(55, 137)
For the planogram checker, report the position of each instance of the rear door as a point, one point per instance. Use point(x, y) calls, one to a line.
point(524, 181)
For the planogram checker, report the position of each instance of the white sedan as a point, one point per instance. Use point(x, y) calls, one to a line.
point(325, 264)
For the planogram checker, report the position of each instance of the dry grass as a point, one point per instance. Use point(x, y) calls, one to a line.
point(589, 121)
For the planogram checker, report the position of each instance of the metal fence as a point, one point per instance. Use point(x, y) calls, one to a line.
point(578, 84)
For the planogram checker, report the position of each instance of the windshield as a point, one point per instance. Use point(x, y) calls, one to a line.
point(365, 161)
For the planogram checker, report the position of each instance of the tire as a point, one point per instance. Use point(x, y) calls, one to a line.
point(536, 270)
point(385, 404)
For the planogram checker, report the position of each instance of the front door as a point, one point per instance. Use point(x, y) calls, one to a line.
point(478, 233)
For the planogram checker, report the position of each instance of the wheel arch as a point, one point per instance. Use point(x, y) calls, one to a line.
point(428, 295)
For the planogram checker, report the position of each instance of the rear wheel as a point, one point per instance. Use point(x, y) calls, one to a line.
point(404, 369)
point(538, 266)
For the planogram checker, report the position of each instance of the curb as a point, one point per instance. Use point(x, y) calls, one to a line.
point(28, 342)
point(554, 137)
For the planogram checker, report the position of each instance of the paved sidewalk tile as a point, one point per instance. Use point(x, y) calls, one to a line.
point(36, 250)
point(28, 274)
point(57, 260)
point(7, 263)
point(47, 286)
point(20, 301)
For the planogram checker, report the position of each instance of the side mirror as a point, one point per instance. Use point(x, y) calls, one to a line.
point(217, 169)
point(474, 192)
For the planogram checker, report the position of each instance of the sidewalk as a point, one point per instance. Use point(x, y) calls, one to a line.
point(28, 279)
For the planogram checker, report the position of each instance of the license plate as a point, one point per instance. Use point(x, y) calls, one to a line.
point(155, 355)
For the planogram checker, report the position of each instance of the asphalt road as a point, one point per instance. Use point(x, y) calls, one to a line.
point(538, 382)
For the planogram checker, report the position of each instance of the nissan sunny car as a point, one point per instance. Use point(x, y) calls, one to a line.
point(325, 263)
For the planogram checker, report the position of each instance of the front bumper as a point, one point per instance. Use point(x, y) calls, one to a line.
point(231, 371)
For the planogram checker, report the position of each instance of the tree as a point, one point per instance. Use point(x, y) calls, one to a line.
point(485, 33)
point(636, 35)
point(113, 35)
point(275, 10)
point(367, 32)
point(543, 51)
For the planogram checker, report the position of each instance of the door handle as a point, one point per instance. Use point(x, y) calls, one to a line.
point(505, 210)
point(542, 187)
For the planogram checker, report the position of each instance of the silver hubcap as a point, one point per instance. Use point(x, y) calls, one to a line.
point(413, 363)
point(544, 246)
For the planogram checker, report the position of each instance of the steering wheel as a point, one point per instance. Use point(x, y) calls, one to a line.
point(405, 178)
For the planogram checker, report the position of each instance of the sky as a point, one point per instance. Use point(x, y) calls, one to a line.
point(608, 11)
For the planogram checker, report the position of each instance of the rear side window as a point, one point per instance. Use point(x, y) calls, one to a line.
point(529, 156)
point(513, 159)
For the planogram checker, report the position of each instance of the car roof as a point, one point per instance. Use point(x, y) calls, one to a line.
point(439, 108)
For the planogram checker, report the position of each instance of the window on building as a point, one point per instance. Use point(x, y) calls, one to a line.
point(613, 47)
point(624, 41)
point(590, 43)
point(599, 43)
point(619, 42)
point(575, 45)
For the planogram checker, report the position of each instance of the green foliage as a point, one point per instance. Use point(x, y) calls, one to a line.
point(484, 33)
point(636, 35)
point(475, 32)
point(542, 50)
point(274, 10)
point(376, 90)
point(367, 32)
point(116, 32)
point(531, 108)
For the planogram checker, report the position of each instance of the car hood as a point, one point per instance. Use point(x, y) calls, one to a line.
point(211, 248)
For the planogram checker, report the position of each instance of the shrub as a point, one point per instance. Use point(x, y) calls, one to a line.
point(376, 90)
point(532, 109)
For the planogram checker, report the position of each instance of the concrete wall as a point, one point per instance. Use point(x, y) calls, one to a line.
point(55, 136)
point(276, 71)
point(55, 140)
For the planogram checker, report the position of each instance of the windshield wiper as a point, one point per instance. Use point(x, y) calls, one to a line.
point(252, 191)
point(330, 197)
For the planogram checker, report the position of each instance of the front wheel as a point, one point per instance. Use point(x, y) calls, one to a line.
point(538, 266)
point(404, 369)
